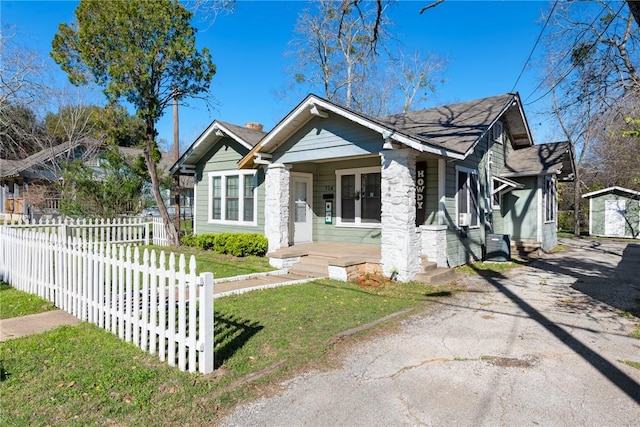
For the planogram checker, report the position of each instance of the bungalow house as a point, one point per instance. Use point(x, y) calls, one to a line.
point(26, 185)
point(614, 212)
point(430, 184)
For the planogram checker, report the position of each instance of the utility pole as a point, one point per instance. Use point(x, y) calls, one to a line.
point(176, 156)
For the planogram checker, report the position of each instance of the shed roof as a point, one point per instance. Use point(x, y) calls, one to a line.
point(542, 159)
point(615, 189)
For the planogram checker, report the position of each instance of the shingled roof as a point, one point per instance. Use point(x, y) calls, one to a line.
point(455, 127)
point(541, 159)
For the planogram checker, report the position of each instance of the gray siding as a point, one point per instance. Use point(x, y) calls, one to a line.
point(331, 138)
point(224, 156)
point(520, 209)
point(464, 247)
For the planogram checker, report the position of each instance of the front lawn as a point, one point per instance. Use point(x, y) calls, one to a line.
point(14, 303)
point(219, 264)
point(81, 375)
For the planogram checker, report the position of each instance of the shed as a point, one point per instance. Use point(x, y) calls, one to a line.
point(614, 212)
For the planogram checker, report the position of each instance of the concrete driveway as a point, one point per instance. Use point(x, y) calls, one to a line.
point(542, 346)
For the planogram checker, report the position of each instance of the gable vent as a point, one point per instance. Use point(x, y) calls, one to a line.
point(496, 132)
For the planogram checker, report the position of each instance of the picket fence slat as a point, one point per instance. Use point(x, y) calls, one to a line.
point(162, 309)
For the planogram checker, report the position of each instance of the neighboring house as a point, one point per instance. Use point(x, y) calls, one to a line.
point(40, 169)
point(433, 182)
point(43, 169)
point(614, 212)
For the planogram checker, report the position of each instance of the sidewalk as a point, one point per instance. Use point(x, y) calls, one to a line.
point(41, 322)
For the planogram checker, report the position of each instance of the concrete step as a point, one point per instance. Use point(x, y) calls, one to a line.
point(437, 275)
point(311, 266)
point(428, 266)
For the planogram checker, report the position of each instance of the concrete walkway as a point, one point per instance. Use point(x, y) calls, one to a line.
point(37, 323)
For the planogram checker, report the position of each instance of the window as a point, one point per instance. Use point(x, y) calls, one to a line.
point(233, 197)
point(549, 191)
point(359, 201)
point(468, 190)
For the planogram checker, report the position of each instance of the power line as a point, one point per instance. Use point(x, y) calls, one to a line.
point(534, 46)
point(592, 45)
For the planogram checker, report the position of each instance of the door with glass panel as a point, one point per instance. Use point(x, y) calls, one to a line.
point(301, 216)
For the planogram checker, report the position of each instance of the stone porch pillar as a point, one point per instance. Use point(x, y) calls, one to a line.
point(276, 206)
point(400, 248)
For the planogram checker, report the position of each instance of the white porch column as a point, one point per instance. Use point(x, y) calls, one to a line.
point(400, 241)
point(276, 206)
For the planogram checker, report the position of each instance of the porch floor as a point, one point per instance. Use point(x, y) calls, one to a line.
point(365, 253)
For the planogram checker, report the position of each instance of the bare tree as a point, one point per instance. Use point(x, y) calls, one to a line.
point(22, 89)
point(591, 52)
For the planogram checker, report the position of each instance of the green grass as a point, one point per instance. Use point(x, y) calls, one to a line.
point(81, 375)
point(14, 303)
point(490, 269)
point(636, 332)
point(631, 363)
point(220, 265)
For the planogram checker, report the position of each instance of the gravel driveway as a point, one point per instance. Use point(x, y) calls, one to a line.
point(542, 346)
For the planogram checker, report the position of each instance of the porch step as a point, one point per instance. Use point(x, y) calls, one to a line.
point(437, 275)
point(311, 266)
point(427, 265)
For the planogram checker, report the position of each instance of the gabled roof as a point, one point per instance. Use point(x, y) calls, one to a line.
point(217, 130)
point(555, 158)
point(450, 131)
point(458, 127)
point(614, 189)
point(10, 168)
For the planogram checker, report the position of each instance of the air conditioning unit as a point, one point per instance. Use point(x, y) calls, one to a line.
point(464, 219)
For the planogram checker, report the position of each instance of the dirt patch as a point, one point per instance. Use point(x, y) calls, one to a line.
point(510, 362)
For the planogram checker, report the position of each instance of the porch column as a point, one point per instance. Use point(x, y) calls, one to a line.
point(276, 206)
point(400, 248)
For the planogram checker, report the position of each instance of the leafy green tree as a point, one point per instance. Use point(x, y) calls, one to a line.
point(112, 188)
point(143, 52)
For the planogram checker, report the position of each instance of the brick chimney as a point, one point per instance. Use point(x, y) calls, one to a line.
point(254, 126)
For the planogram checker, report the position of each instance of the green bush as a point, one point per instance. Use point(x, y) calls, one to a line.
point(236, 244)
point(565, 221)
point(189, 240)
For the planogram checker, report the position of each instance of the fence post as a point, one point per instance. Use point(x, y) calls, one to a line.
point(205, 346)
point(146, 233)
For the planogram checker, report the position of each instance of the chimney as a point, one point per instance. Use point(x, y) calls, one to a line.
point(254, 126)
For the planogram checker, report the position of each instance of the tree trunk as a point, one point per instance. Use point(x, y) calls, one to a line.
point(172, 234)
point(577, 196)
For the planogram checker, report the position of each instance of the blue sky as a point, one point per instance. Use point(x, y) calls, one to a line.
point(486, 44)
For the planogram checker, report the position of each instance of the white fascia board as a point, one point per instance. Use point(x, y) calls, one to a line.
point(611, 189)
point(493, 122)
point(312, 101)
point(196, 144)
point(234, 136)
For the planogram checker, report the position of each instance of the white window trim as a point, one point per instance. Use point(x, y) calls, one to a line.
point(471, 172)
point(497, 132)
point(241, 174)
point(358, 211)
point(545, 195)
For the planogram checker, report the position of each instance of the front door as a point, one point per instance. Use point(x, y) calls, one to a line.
point(301, 207)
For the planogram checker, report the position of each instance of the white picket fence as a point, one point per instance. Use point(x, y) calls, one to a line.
point(133, 230)
point(140, 298)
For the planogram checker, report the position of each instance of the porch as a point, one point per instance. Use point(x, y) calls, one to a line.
point(346, 262)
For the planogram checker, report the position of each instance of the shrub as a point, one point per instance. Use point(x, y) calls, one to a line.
point(206, 241)
point(565, 221)
point(236, 244)
point(189, 240)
